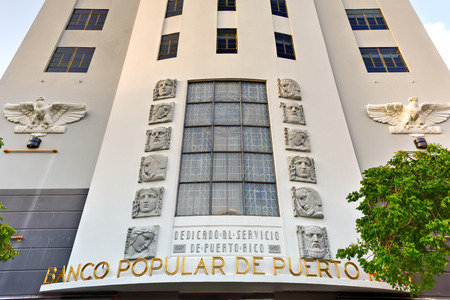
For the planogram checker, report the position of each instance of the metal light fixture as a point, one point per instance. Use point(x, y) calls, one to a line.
point(34, 142)
point(421, 143)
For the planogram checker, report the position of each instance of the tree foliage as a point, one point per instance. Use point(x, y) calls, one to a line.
point(6, 249)
point(405, 207)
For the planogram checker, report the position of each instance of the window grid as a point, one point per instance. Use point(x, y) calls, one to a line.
point(72, 60)
point(366, 19)
point(87, 19)
point(285, 46)
point(383, 60)
point(230, 182)
point(226, 41)
point(169, 46)
point(279, 8)
point(174, 8)
point(229, 5)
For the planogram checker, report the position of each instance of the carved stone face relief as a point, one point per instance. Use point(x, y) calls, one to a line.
point(288, 88)
point(297, 139)
point(414, 119)
point(165, 88)
point(141, 242)
point(153, 168)
point(148, 202)
point(161, 113)
point(313, 242)
point(158, 139)
point(293, 113)
point(301, 168)
point(307, 203)
point(40, 118)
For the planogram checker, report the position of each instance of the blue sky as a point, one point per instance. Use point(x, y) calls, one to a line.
point(16, 17)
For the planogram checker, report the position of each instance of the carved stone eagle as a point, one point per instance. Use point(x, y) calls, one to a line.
point(42, 118)
point(413, 118)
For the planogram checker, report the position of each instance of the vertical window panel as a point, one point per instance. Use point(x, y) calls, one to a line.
point(224, 5)
point(73, 60)
point(284, 45)
point(279, 8)
point(174, 8)
point(226, 41)
point(87, 19)
point(241, 153)
point(366, 19)
point(381, 60)
point(169, 46)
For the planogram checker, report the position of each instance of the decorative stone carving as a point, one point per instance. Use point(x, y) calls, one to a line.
point(153, 168)
point(165, 88)
point(158, 139)
point(415, 119)
point(141, 242)
point(297, 139)
point(293, 113)
point(301, 168)
point(148, 202)
point(161, 113)
point(289, 89)
point(313, 242)
point(40, 118)
point(307, 203)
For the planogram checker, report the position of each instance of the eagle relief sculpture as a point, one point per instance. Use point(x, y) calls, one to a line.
point(40, 118)
point(414, 118)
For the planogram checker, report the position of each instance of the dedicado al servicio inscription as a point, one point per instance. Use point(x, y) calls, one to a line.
point(231, 241)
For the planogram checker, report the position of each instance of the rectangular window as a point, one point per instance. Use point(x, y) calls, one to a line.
point(227, 164)
point(226, 5)
point(279, 8)
point(383, 60)
point(366, 19)
point(69, 59)
point(174, 8)
point(285, 46)
point(87, 19)
point(226, 41)
point(169, 46)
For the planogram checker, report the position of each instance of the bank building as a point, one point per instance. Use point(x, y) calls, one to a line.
point(204, 149)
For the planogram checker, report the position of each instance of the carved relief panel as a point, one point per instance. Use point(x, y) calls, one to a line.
point(301, 168)
point(153, 168)
point(158, 139)
point(297, 139)
point(307, 203)
point(148, 202)
point(313, 242)
point(165, 88)
point(161, 113)
point(141, 242)
point(293, 113)
point(289, 89)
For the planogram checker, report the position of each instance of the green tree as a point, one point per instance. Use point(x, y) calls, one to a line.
point(405, 207)
point(6, 249)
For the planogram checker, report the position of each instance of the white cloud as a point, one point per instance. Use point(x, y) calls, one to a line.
point(441, 38)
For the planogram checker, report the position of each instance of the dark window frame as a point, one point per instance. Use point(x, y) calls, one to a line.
point(226, 5)
point(366, 19)
point(227, 34)
point(169, 42)
point(174, 8)
point(71, 60)
point(87, 19)
point(383, 60)
point(279, 8)
point(284, 46)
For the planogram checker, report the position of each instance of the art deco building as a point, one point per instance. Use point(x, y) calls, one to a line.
point(203, 149)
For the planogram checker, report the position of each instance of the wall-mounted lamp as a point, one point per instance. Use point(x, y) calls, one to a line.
point(34, 142)
point(421, 143)
point(17, 237)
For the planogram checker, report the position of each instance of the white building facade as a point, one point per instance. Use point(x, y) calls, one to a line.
point(218, 144)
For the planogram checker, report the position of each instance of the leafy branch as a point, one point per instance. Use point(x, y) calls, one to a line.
point(405, 207)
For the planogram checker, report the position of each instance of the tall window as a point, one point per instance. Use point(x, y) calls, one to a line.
point(226, 41)
point(68, 59)
point(383, 60)
point(279, 7)
point(174, 8)
point(285, 47)
point(227, 5)
point(87, 19)
point(366, 19)
point(227, 164)
point(169, 46)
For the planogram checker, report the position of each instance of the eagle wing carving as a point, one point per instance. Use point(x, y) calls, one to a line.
point(66, 113)
point(19, 113)
point(391, 113)
point(434, 113)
